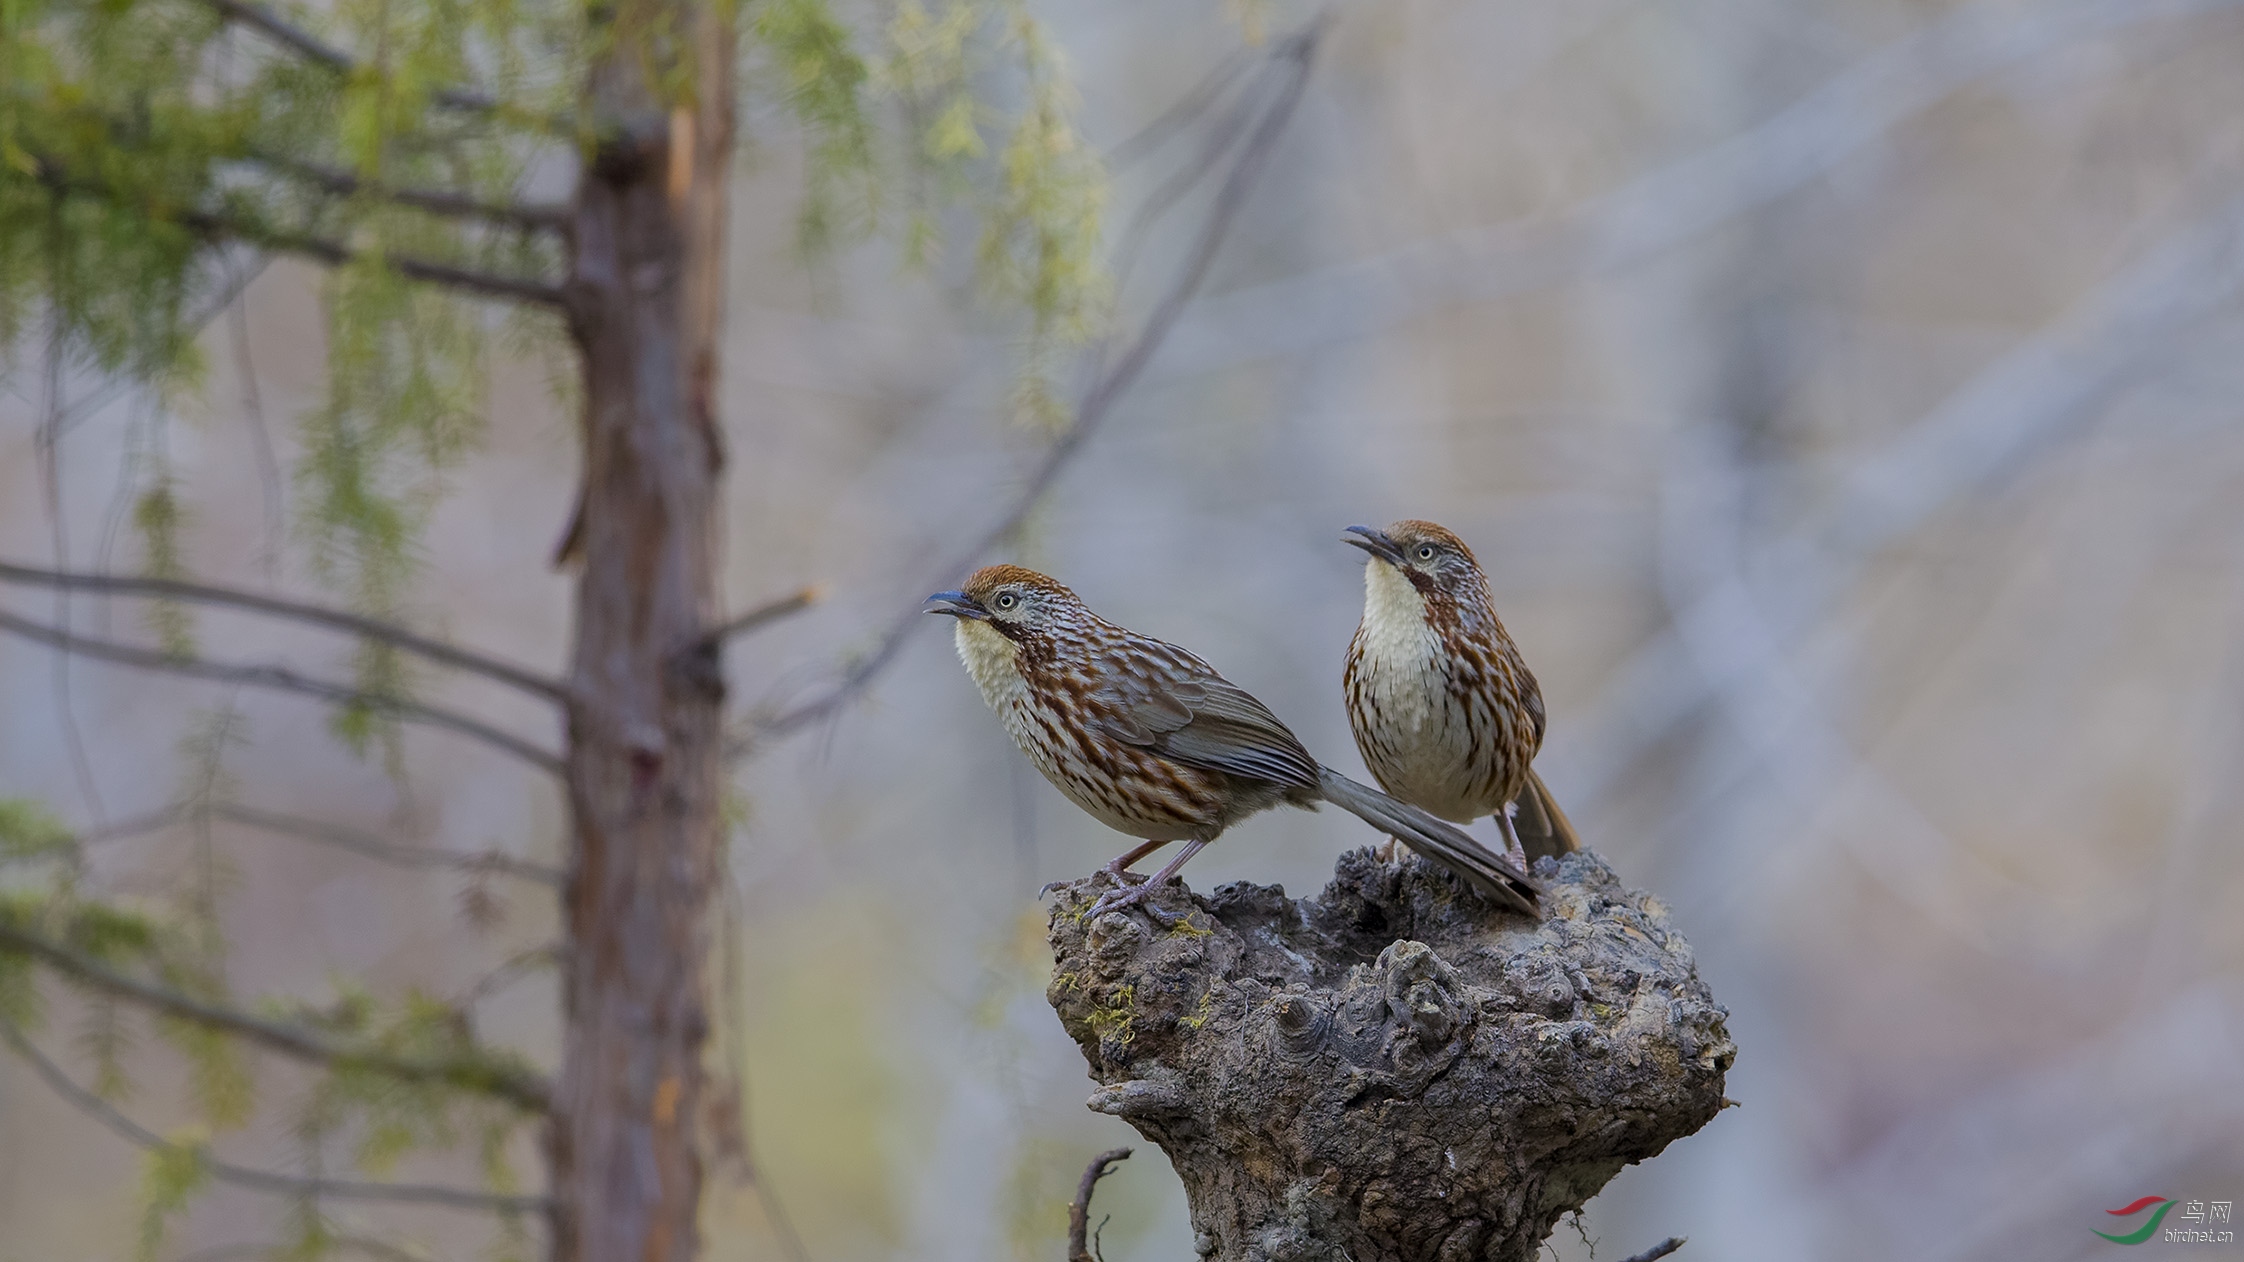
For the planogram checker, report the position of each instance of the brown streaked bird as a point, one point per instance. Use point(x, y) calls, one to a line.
point(1445, 711)
point(1153, 743)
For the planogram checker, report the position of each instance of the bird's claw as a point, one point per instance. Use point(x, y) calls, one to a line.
point(1131, 896)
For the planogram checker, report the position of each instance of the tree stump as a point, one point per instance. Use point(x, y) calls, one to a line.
point(1393, 1071)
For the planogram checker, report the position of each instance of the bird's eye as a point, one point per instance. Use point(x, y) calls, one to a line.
point(1425, 552)
point(1006, 600)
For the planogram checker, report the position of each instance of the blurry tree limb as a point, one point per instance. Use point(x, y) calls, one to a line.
point(223, 227)
point(1979, 433)
point(372, 847)
point(480, 1074)
point(237, 282)
point(342, 183)
point(110, 1116)
point(220, 226)
point(484, 664)
point(253, 1252)
point(1294, 57)
point(1079, 1211)
point(323, 833)
point(279, 679)
point(765, 614)
point(1663, 208)
point(1660, 1250)
point(312, 48)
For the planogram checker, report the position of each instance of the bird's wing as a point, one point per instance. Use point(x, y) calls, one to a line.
point(1160, 697)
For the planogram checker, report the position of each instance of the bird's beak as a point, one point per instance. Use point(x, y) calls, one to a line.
point(957, 605)
point(1376, 543)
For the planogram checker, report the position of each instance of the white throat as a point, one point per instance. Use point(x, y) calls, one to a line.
point(1395, 641)
point(989, 659)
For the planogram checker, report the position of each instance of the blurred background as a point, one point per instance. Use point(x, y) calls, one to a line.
point(1843, 398)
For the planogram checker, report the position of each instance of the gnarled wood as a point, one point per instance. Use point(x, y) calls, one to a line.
point(1394, 1071)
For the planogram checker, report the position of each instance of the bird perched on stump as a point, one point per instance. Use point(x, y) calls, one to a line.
point(1155, 744)
point(1444, 709)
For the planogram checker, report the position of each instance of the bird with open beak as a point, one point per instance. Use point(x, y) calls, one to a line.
point(1445, 712)
point(1154, 743)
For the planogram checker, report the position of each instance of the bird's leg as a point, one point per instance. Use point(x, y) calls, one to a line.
point(1514, 851)
point(1116, 900)
point(1119, 866)
point(1386, 850)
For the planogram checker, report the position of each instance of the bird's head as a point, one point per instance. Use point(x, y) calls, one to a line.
point(1003, 610)
point(1429, 556)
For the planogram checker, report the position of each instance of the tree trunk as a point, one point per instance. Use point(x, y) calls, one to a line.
point(1393, 1072)
point(644, 763)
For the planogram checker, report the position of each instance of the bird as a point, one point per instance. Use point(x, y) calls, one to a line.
point(1445, 712)
point(1153, 743)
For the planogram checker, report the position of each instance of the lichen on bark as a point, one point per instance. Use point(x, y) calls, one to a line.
point(1392, 1071)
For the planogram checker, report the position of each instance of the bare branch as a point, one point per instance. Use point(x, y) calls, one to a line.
point(517, 1086)
point(2019, 401)
point(1079, 1212)
point(334, 619)
point(1295, 56)
point(387, 851)
point(1660, 1250)
point(110, 1116)
point(1664, 207)
point(342, 183)
point(218, 226)
point(334, 254)
point(318, 51)
point(282, 680)
point(765, 614)
point(322, 833)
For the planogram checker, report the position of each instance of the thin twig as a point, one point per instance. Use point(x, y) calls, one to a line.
point(765, 614)
point(322, 833)
point(110, 1116)
point(1181, 112)
point(387, 851)
point(510, 970)
point(260, 438)
point(1660, 1250)
point(516, 1086)
point(1298, 52)
point(1664, 207)
point(359, 625)
point(282, 680)
point(334, 253)
point(342, 183)
point(314, 49)
point(1079, 1212)
point(237, 283)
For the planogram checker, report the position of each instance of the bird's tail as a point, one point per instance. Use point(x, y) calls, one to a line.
point(1543, 828)
point(1484, 869)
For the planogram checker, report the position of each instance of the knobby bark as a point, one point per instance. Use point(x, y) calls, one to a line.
point(1393, 1071)
point(644, 764)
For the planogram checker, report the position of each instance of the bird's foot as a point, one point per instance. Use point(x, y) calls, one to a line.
point(1131, 896)
point(1386, 850)
point(1124, 875)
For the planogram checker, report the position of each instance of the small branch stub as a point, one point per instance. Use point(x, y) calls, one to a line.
point(1393, 1071)
point(1079, 1213)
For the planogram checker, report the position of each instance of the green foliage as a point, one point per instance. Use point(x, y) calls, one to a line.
point(823, 80)
point(170, 1177)
point(1040, 193)
point(157, 516)
point(30, 831)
